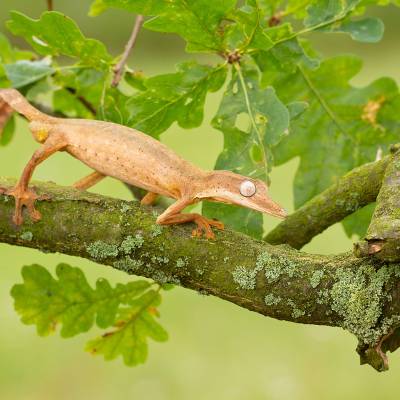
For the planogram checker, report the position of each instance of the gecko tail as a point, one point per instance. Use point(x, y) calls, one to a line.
point(11, 99)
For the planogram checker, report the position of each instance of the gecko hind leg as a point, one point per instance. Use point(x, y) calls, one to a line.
point(149, 199)
point(89, 181)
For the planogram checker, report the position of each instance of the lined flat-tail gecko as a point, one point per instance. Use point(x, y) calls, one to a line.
point(135, 158)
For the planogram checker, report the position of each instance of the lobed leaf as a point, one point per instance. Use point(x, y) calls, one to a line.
point(198, 22)
point(133, 327)
point(174, 97)
point(25, 72)
point(343, 127)
point(56, 34)
point(247, 144)
point(70, 301)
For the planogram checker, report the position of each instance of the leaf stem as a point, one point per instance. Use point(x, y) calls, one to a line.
point(50, 5)
point(119, 68)
point(250, 112)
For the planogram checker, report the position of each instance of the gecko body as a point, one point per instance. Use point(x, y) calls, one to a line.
point(132, 157)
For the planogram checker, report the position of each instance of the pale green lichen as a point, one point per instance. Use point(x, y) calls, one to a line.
point(101, 250)
point(199, 271)
point(226, 259)
point(155, 230)
point(125, 207)
point(272, 300)
point(245, 278)
point(316, 278)
point(181, 262)
point(273, 266)
point(28, 236)
point(159, 260)
point(296, 312)
point(127, 264)
point(358, 296)
point(131, 243)
point(323, 296)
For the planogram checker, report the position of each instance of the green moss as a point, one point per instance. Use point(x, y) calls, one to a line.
point(226, 259)
point(101, 250)
point(316, 278)
point(272, 300)
point(28, 236)
point(358, 297)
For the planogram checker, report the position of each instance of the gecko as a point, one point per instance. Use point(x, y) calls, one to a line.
point(135, 158)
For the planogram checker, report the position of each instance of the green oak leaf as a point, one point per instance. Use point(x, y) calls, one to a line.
point(343, 127)
point(247, 143)
point(56, 34)
point(198, 22)
point(67, 103)
point(358, 222)
point(7, 132)
point(367, 30)
point(44, 301)
point(333, 16)
point(10, 55)
point(25, 72)
point(247, 30)
point(71, 302)
point(133, 327)
point(174, 97)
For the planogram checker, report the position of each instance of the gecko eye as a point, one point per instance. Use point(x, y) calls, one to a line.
point(247, 188)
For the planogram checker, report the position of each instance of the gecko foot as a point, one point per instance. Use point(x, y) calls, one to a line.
point(24, 198)
point(204, 226)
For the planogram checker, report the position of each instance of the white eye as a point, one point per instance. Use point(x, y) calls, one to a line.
point(247, 189)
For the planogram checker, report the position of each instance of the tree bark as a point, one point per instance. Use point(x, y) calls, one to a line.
point(360, 295)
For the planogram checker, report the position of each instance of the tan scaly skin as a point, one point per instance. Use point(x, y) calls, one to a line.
point(135, 158)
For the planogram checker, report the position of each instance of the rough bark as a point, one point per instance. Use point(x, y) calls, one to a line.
point(360, 295)
point(383, 235)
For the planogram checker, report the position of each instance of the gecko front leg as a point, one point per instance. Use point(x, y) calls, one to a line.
point(24, 196)
point(172, 216)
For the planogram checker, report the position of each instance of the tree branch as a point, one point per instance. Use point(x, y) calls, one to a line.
point(383, 235)
point(360, 295)
point(119, 68)
point(351, 192)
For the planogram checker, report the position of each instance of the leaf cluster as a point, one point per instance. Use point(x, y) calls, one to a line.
point(129, 310)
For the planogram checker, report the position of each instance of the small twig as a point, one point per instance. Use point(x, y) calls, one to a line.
point(119, 68)
point(87, 104)
point(50, 5)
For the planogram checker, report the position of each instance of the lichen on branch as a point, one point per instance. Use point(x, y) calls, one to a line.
point(360, 295)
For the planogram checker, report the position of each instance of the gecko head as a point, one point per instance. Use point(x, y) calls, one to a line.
point(228, 187)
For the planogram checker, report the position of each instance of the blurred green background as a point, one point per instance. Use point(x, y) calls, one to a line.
point(216, 350)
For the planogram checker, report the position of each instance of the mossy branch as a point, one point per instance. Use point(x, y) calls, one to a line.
point(351, 192)
point(383, 235)
point(360, 295)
